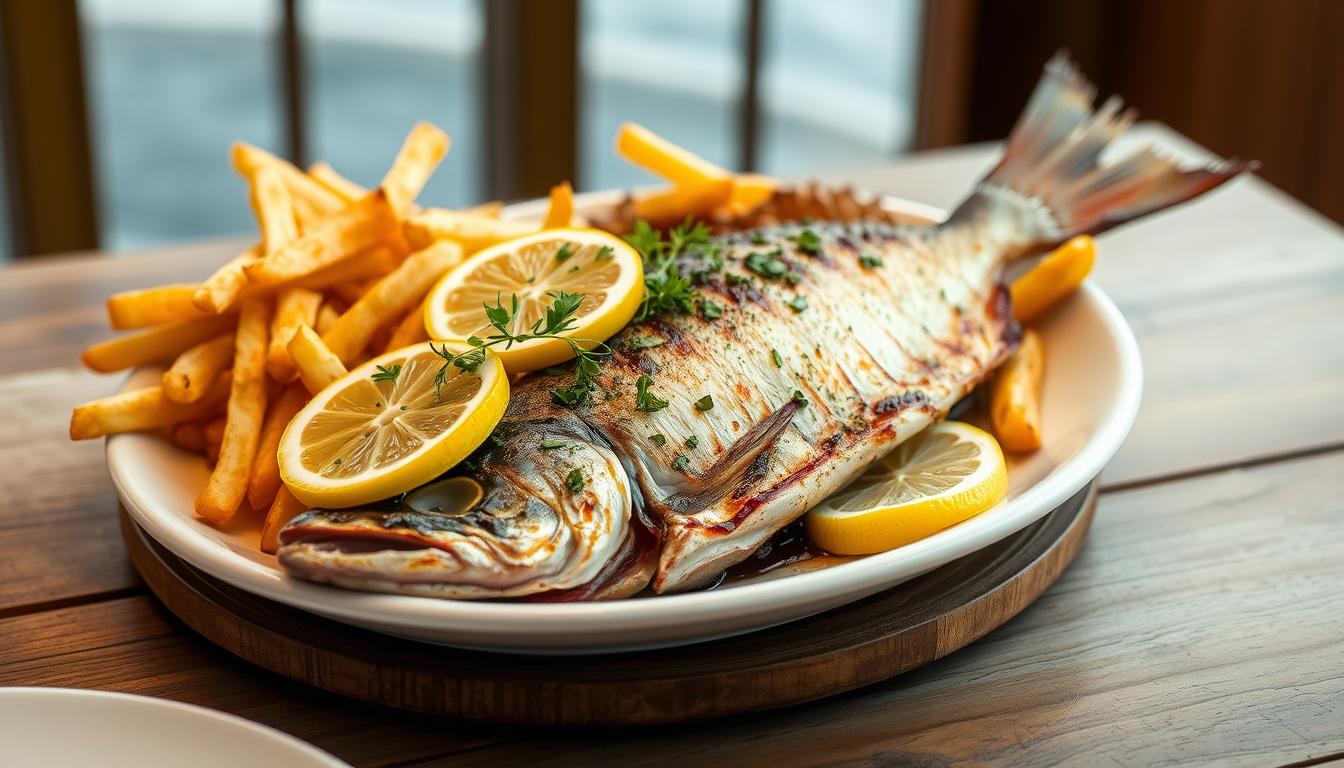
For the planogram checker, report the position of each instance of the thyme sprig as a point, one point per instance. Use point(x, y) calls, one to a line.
point(558, 318)
point(666, 289)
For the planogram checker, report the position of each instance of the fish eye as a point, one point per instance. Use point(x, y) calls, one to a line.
point(451, 496)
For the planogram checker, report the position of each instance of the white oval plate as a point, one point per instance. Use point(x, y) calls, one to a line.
point(1091, 395)
point(42, 727)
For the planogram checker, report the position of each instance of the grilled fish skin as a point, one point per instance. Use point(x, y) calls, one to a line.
point(836, 342)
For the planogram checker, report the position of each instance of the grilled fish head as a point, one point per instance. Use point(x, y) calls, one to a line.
point(545, 510)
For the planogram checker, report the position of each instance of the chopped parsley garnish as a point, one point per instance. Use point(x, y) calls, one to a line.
point(574, 480)
point(551, 445)
point(666, 289)
point(798, 303)
point(767, 265)
point(658, 439)
point(705, 403)
point(605, 253)
point(565, 251)
point(870, 260)
point(710, 310)
point(558, 318)
point(390, 373)
point(644, 399)
point(732, 278)
point(799, 398)
point(646, 342)
point(776, 358)
point(758, 238)
point(681, 462)
point(692, 442)
point(808, 242)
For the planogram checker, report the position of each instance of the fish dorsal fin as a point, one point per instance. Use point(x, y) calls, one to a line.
point(734, 466)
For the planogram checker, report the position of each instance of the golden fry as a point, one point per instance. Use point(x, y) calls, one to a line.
point(327, 315)
point(420, 154)
point(391, 296)
point(561, 209)
point(223, 494)
point(192, 373)
point(1015, 397)
point(342, 187)
point(472, 232)
point(188, 435)
point(312, 201)
point(1054, 277)
point(361, 225)
point(490, 210)
point(411, 330)
point(659, 156)
point(318, 366)
point(264, 480)
point(750, 191)
point(141, 409)
point(294, 307)
point(163, 342)
point(152, 306)
point(222, 289)
point(665, 208)
point(283, 509)
point(274, 209)
point(352, 291)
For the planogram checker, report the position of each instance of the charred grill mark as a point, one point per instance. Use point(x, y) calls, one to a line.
point(889, 407)
point(826, 450)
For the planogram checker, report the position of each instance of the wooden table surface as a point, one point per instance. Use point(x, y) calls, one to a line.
point(1203, 623)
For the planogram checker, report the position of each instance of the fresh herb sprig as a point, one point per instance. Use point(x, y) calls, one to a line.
point(666, 289)
point(389, 373)
point(558, 318)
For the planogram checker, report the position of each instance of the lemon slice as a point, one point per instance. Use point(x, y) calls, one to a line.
point(382, 429)
point(948, 473)
point(603, 268)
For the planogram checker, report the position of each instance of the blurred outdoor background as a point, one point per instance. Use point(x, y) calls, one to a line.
point(118, 113)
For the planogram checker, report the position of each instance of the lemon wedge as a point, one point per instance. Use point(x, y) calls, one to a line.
point(946, 474)
point(385, 427)
point(601, 267)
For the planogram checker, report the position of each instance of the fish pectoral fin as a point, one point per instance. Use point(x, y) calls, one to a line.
point(743, 459)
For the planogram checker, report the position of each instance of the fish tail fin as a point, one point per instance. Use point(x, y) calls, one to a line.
point(1051, 165)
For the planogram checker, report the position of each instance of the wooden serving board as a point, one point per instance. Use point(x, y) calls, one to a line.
point(842, 649)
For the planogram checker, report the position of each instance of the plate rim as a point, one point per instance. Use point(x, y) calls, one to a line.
point(554, 623)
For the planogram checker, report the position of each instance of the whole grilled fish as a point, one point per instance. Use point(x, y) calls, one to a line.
point(836, 342)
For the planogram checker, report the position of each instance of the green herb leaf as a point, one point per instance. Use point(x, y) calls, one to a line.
point(808, 242)
point(551, 445)
point(646, 342)
point(644, 399)
point(798, 304)
point(710, 310)
point(658, 439)
point(767, 265)
point(605, 253)
point(705, 403)
point(692, 442)
point(758, 238)
point(574, 481)
point(681, 462)
point(870, 260)
point(799, 398)
point(776, 358)
point(563, 253)
point(390, 373)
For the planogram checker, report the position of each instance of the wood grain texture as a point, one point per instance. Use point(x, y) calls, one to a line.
point(846, 648)
point(1201, 625)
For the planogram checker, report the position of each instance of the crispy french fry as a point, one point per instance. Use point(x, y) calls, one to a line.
point(312, 201)
point(327, 315)
point(213, 434)
point(152, 306)
point(283, 509)
point(750, 191)
point(140, 409)
point(265, 477)
point(411, 330)
point(221, 290)
point(294, 307)
point(1054, 277)
point(342, 187)
point(274, 209)
point(195, 370)
point(163, 342)
point(659, 156)
point(352, 291)
point(561, 209)
point(359, 226)
point(390, 297)
point(472, 232)
point(223, 494)
point(420, 154)
point(188, 435)
point(669, 207)
point(318, 366)
point(1015, 397)
point(490, 210)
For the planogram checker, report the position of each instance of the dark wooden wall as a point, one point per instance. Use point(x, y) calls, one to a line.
point(1260, 79)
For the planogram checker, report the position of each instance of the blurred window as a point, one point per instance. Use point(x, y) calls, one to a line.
point(171, 83)
point(674, 67)
point(838, 83)
point(377, 68)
